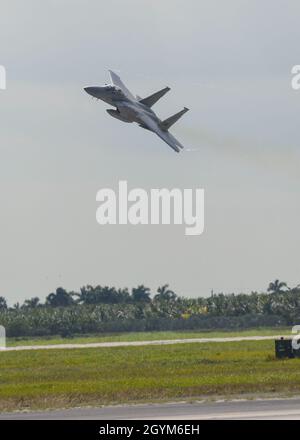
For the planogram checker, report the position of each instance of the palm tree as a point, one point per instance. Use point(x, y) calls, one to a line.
point(123, 295)
point(3, 304)
point(101, 295)
point(86, 295)
point(61, 298)
point(165, 294)
point(277, 287)
point(141, 294)
point(32, 303)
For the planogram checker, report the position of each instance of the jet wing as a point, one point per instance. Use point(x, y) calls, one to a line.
point(116, 81)
point(152, 99)
point(164, 135)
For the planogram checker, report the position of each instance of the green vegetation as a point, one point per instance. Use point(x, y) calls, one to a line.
point(101, 310)
point(61, 378)
point(146, 336)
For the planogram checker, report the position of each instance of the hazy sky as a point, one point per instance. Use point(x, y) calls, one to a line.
point(229, 62)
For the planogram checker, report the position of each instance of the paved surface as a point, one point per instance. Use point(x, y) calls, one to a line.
point(275, 409)
point(140, 343)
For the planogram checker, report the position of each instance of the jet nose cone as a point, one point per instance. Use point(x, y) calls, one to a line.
point(88, 90)
point(96, 92)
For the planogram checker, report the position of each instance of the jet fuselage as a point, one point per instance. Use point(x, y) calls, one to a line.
point(129, 110)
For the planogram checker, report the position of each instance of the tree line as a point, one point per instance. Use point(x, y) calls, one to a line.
point(89, 295)
point(107, 309)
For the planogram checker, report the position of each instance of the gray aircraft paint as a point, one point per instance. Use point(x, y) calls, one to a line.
point(130, 109)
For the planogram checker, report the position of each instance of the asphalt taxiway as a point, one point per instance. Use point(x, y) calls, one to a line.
point(269, 409)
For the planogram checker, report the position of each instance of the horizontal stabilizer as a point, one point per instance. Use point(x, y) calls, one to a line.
point(149, 124)
point(152, 99)
point(167, 123)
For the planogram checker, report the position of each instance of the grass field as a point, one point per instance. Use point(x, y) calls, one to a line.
point(147, 336)
point(62, 378)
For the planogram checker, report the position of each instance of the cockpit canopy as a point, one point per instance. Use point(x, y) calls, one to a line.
point(113, 89)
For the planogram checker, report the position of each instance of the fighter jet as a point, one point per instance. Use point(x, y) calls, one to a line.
point(130, 108)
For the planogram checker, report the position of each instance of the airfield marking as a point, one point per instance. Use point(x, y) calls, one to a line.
point(139, 343)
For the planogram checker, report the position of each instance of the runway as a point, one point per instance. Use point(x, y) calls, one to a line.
point(138, 343)
point(271, 409)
